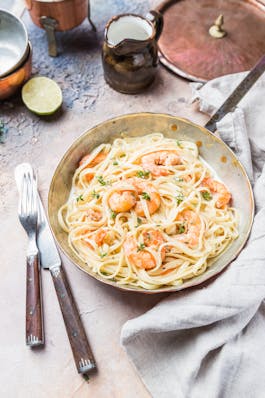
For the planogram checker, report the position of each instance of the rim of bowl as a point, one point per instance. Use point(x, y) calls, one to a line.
point(193, 282)
point(25, 52)
point(27, 56)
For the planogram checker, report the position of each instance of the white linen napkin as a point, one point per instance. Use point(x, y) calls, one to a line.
point(210, 342)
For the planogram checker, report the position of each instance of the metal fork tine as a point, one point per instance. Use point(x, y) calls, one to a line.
point(22, 202)
point(27, 194)
point(34, 198)
point(31, 211)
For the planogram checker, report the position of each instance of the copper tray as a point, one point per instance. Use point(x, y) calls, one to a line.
point(187, 48)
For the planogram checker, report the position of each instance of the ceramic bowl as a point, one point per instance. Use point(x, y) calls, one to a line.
point(212, 149)
point(13, 43)
point(10, 84)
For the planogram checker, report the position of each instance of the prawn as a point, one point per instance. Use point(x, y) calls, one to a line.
point(154, 239)
point(156, 162)
point(223, 195)
point(94, 162)
point(122, 201)
point(192, 224)
point(140, 258)
point(103, 236)
point(149, 193)
point(93, 214)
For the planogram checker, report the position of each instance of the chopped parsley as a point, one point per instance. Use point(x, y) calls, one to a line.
point(140, 247)
point(101, 180)
point(139, 222)
point(115, 163)
point(103, 255)
point(143, 173)
point(206, 195)
point(95, 195)
point(180, 198)
point(113, 214)
point(181, 229)
point(178, 179)
point(178, 143)
point(146, 196)
point(80, 197)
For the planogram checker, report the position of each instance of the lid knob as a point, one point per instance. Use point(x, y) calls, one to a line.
point(217, 30)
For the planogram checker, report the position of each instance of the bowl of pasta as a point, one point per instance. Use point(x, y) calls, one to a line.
point(150, 203)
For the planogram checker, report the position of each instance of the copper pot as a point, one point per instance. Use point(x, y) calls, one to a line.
point(11, 83)
point(67, 13)
point(54, 15)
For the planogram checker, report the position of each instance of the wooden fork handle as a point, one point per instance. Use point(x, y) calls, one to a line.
point(34, 319)
point(82, 353)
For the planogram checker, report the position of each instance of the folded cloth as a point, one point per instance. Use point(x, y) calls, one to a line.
point(210, 341)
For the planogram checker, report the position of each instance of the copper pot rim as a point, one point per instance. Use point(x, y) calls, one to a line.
point(191, 283)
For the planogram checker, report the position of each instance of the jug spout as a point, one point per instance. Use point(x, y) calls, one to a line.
point(128, 33)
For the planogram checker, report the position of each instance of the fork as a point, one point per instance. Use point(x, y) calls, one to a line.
point(28, 217)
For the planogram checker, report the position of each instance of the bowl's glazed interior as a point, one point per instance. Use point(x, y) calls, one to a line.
point(13, 43)
point(211, 148)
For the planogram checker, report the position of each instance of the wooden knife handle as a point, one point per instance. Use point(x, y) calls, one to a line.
point(34, 319)
point(83, 356)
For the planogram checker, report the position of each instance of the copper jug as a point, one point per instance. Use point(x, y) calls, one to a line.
point(58, 15)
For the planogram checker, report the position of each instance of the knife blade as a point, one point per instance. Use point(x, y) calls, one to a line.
point(50, 259)
point(237, 95)
point(49, 256)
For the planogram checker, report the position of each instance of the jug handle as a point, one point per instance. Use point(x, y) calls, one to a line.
point(157, 20)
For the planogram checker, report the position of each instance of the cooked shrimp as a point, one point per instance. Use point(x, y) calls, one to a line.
point(103, 236)
point(153, 202)
point(88, 176)
point(192, 224)
point(99, 236)
point(149, 193)
point(94, 214)
point(139, 257)
point(121, 201)
point(97, 159)
point(155, 162)
point(223, 195)
point(154, 239)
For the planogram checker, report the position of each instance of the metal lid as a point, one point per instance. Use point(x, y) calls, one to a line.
point(196, 45)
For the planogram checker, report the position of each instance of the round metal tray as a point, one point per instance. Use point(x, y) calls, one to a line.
point(187, 48)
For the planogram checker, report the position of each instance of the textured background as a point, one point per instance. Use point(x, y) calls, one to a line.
point(50, 372)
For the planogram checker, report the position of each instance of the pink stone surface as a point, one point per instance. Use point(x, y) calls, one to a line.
point(50, 372)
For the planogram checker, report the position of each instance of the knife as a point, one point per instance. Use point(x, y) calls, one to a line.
point(50, 259)
point(237, 95)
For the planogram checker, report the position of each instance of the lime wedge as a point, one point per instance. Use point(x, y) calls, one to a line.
point(42, 95)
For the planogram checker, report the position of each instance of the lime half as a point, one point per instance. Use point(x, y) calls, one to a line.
point(42, 95)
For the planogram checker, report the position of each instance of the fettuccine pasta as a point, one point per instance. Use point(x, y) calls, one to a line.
point(147, 212)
